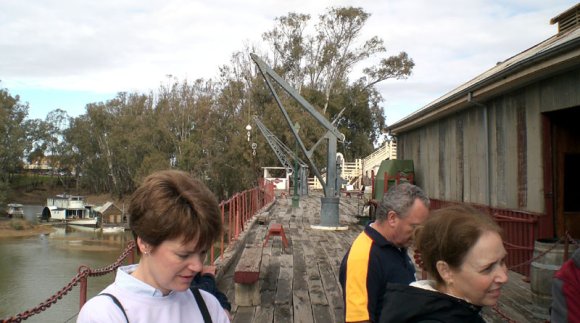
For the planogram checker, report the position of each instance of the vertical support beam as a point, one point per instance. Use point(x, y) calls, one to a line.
point(522, 148)
point(329, 204)
point(548, 154)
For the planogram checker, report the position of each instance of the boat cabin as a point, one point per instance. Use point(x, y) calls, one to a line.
point(14, 210)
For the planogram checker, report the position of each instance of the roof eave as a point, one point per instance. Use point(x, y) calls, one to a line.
point(525, 71)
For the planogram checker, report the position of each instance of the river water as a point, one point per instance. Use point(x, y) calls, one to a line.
point(32, 269)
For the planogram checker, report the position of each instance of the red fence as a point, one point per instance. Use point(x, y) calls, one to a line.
point(235, 213)
point(521, 229)
point(239, 209)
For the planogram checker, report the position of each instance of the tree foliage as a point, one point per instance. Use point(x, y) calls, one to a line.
point(12, 133)
point(200, 126)
point(13, 138)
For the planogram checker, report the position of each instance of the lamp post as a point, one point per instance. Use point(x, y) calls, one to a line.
point(249, 129)
point(295, 197)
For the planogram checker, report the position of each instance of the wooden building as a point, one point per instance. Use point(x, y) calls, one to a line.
point(110, 214)
point(508, 141)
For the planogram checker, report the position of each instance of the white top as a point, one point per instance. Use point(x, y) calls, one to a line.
point(425, 284)
point(144, 303)
point(430, 285)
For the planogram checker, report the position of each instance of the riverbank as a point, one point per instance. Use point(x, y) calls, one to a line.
point(18, 228)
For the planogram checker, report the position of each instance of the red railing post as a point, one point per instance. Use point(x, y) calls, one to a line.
point(222, 205)
point(237, 212)
point(83, 291)
point(231, 221)
point(244, 209)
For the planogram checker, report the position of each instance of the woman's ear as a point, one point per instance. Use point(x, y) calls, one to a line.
point(143, 246)
point(445, 271)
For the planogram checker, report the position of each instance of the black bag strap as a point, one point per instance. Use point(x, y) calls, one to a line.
point(201, 304)
point(116, 301)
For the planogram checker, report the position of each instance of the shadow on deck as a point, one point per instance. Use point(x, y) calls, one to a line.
point(300, 284)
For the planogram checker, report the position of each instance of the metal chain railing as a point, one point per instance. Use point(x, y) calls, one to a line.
point(564, 238)
point(540, 255)
point(496, 309)
point(242, 209)
point(83, 273)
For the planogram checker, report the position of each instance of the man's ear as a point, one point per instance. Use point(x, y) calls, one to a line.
point(445, 271)
point(392, 218)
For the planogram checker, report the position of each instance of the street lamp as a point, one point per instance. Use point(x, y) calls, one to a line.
point(248, 129)
point(295, 197)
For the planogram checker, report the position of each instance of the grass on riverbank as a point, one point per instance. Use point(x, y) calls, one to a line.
point(14, 228)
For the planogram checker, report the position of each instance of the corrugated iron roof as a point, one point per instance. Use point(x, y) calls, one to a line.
point(103, 208)
point(544, 51)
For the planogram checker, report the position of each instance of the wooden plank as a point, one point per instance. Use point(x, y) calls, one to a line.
point(243, 314)
point(271, 274)
point(321, 313)
point(332, 289)
point(299, 268)
point(248, 267)
point(316, 291)
point(308, 250)
point(263, 314)
point(284, 284)
point(283, 313)
point(267, 297)
point(302, 306)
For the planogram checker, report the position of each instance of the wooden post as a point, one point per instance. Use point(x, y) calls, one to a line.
point(83, 291)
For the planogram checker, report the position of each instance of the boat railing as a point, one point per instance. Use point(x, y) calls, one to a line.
point(235, 213)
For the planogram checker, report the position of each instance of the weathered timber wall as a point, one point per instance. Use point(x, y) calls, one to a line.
point(491, 153)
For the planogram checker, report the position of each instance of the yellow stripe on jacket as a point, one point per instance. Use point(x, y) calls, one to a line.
point(357, 301)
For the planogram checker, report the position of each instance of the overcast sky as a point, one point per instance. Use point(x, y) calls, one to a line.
point(67, 53)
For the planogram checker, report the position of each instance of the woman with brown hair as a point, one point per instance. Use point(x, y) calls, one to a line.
point(175, 220)
point(463, 252)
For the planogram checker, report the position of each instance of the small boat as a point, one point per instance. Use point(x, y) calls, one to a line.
point(88, 222)
point(116, 229)
point(14, 210)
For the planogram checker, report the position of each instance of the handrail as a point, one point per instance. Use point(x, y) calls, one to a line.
point(81, 277)
point(240, 208)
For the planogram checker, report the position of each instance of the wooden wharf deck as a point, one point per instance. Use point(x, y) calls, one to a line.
point(300, 284)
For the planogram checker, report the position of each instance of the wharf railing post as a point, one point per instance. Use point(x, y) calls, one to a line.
point(211, 254)
point(244, 209)
point(237, 213)
point(254, 200)
point(83, 291)
point(222, 205)
point(231, 220)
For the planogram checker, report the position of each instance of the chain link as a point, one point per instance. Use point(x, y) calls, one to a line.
point(562, 239)
point(495, 308)
point(83, 272)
